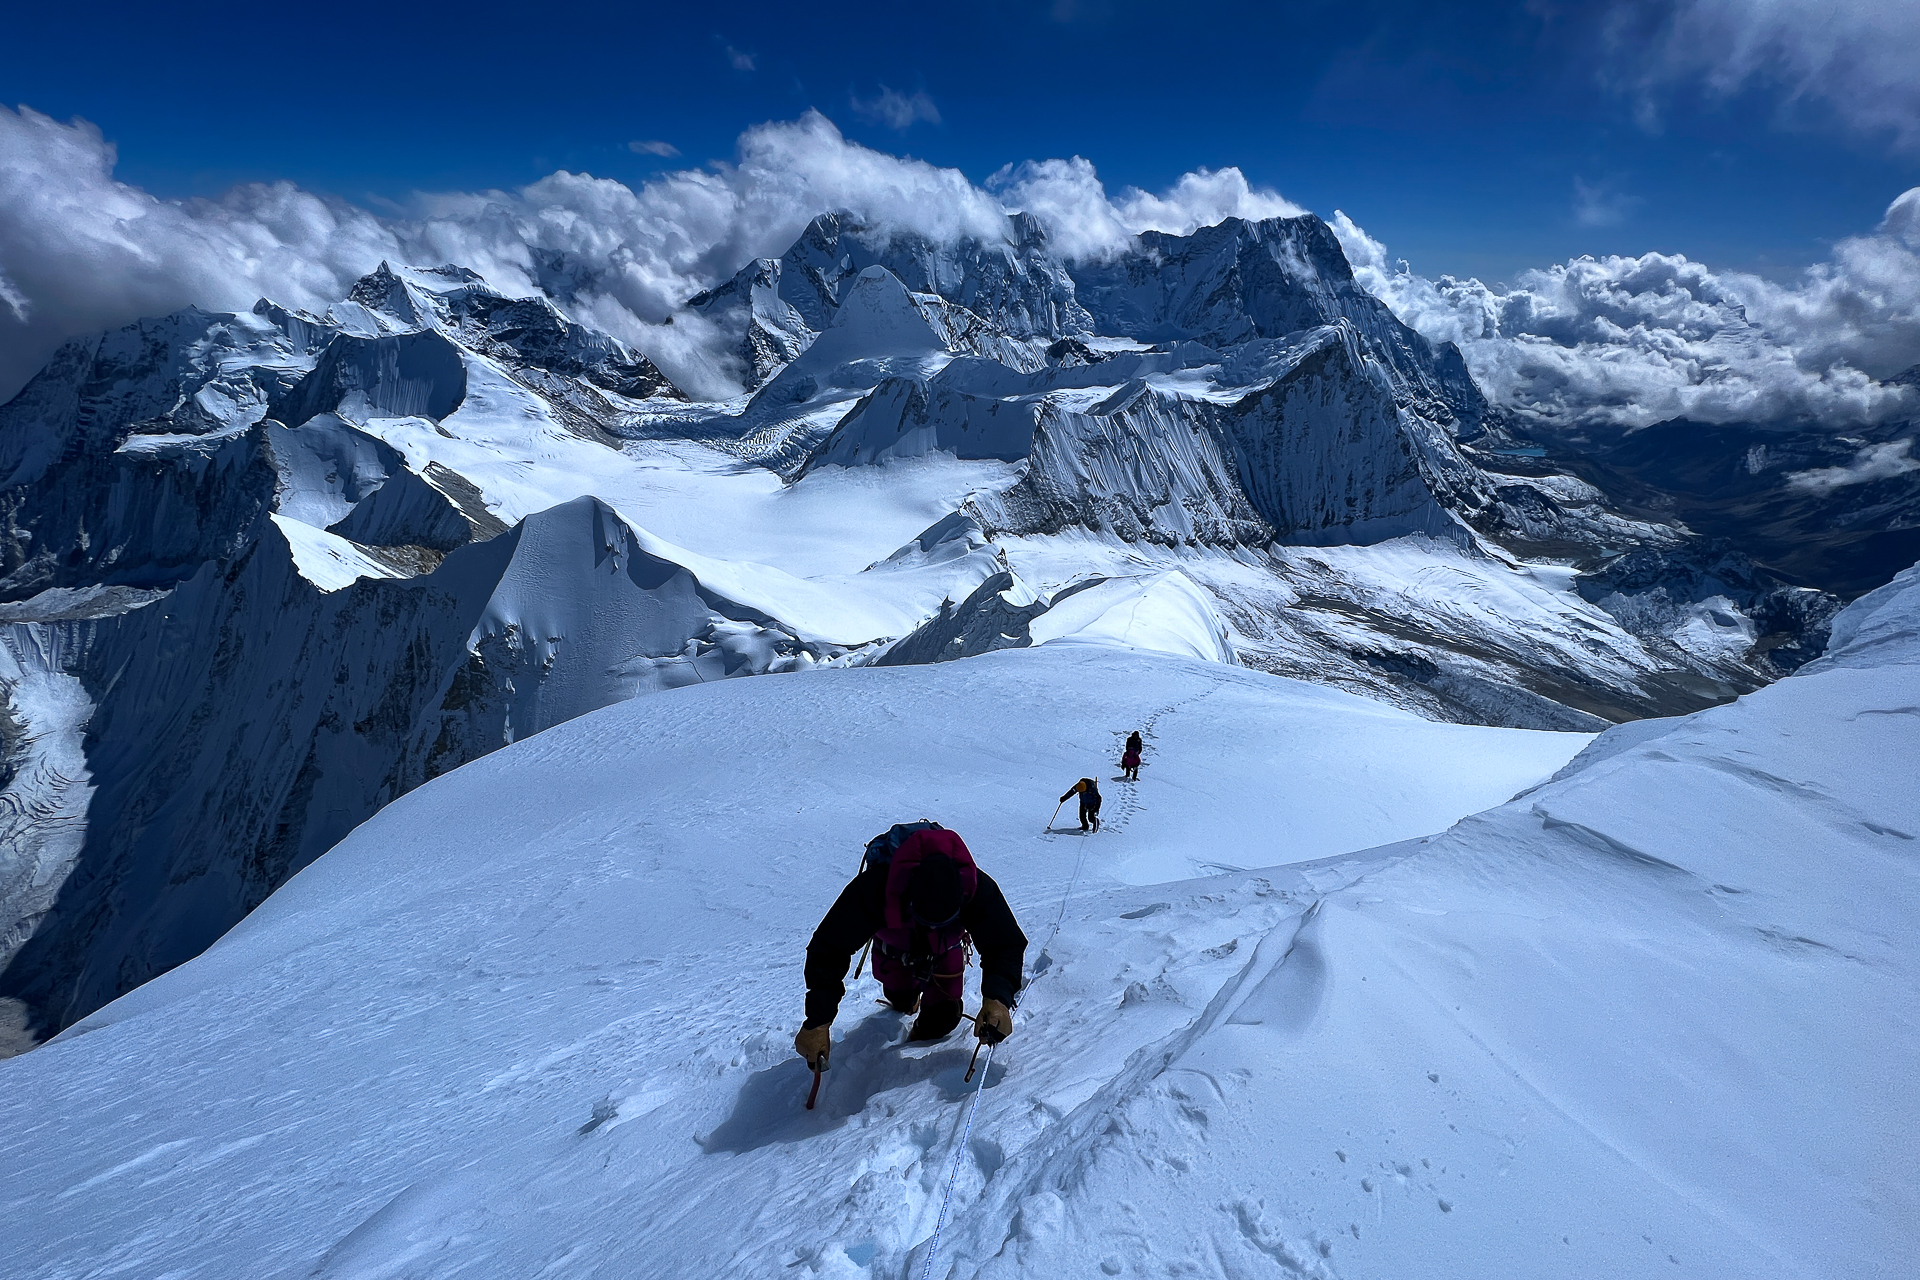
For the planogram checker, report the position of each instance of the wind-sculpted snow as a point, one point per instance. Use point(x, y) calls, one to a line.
point(1139, 465)
point(1651, 1016)
point(1155, 613)
point(1880, 628)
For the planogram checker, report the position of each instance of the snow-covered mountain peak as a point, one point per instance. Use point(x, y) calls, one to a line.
point(530, 335)
point(374, 544)
point(1013, 287)
point(1239, 281)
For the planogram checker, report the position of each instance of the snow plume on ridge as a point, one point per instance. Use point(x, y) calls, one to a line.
point(1624, 342)
point(81, 251)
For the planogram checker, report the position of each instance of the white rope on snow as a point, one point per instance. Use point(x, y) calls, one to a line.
point(966, 1130)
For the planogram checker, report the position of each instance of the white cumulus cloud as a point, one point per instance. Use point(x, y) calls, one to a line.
point(81, 251)
point(1069, 197)
point(1875, 462)
point(1617, 340)
point(1628, 341)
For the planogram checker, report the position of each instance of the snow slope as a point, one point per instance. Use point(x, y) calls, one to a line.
point(1654, 1016)
point(617, 908)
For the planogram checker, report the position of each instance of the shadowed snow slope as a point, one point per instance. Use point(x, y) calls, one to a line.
point(1651, 1017)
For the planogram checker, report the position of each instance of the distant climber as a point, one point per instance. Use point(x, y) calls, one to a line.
point(1089, 792)
point(1130, 759)
point(921, 900)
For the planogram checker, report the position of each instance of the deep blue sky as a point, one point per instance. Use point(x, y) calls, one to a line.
point(1459, 135)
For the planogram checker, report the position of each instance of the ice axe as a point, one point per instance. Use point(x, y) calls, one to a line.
point(863, 960)
point(1056, 813)
point(978, 1044)
point(819, 1065)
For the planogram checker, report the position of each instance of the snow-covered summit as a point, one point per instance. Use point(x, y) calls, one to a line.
point(1231, 283)
point(1016, 285)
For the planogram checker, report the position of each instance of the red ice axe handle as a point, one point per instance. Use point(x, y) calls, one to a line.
point(819, 1069)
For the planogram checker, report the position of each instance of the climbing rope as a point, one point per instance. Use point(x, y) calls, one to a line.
point(966, 1130)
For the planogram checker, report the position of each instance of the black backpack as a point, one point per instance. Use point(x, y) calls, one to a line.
point(880, 849)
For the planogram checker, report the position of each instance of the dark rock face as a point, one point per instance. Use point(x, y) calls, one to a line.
point(405, 375)
point(1015, 285)
point(986, 621)
point(529, 332)
point(123, 462)
point(1650, 591)
point(1008, 289)
point(768, 332)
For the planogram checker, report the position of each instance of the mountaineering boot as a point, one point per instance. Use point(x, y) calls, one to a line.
point(903, 1001)
point(937, 1020)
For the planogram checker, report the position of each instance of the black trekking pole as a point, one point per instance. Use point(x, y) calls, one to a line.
point(1056, 813)
point(863, 960)
point(819, 1070)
